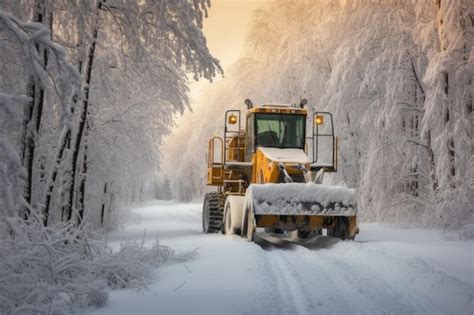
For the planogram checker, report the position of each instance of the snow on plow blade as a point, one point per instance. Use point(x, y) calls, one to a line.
point(301, 199)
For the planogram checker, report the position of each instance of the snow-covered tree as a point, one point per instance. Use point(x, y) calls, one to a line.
point(87, 91)
point(397, 75)
point(32, 41)
point(133, 58)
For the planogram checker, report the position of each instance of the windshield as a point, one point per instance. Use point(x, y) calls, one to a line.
point(280, 130)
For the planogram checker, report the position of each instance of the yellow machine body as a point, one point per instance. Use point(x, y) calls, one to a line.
point(235, 162)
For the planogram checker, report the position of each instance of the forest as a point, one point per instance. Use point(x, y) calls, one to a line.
point(397, 76)
point(87, 91)
point(95, 118)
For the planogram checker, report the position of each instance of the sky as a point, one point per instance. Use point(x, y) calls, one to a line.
point(225, 30)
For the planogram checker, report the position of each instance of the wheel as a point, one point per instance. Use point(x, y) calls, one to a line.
point(245, 223)
point(341, 229)
point(304, 233)
point(212, 212)
point(229, 230)
point(308, 233)
point(248, 226)
point(233, 214)
point(274, 230)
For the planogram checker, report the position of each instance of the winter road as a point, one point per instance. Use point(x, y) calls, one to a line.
point(383, 271)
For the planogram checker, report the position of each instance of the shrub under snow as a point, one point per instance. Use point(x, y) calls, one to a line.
point(63, 270)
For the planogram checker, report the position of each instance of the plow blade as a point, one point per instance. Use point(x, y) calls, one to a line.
point(301, 199)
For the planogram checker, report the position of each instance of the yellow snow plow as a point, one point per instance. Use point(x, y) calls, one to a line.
point(265, 178)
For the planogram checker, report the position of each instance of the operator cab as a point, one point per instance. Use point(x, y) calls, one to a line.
point(275, 126)
point(281, 126)
point(279, 130)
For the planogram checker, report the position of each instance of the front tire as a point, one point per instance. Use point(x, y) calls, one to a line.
point(233, 214)
point(229, 230)
point(274, 230)
point(248, 228)
point(304, 234)
point(341, 229)
point(308, 234)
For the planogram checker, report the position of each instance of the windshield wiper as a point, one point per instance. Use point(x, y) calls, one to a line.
point(284, 134)
point(272, 134)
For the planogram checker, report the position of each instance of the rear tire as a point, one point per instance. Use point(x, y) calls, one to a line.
point(212, 212)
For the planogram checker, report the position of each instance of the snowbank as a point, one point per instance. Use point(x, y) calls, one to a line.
point(64, 270)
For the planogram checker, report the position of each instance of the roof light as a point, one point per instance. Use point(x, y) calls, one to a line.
point(319, 120)
point(232, 119)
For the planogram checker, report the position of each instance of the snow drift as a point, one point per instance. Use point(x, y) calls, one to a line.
point(64, 270)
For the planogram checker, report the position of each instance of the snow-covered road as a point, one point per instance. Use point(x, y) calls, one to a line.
point(383, 271)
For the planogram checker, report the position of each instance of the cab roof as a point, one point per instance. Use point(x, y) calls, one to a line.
point(278, 109)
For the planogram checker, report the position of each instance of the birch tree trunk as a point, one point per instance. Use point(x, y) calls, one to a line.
point(84, 110)
point(34, 110)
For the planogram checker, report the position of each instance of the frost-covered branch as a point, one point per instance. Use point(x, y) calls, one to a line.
point(64, 270)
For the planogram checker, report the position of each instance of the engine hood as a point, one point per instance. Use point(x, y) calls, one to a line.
point(285, 155)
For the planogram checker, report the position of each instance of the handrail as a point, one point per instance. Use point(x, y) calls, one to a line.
point(238, 181)
point(210, 153)
point(226, 132)
point(238, 145)
point(317, 135)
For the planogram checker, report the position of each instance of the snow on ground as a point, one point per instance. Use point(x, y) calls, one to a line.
point(383, 271)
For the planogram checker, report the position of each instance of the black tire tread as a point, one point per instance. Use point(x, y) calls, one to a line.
point(216, 211)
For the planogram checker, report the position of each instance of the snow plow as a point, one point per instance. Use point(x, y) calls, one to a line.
point(265, 178)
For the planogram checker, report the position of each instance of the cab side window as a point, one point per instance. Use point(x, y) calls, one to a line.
point(250, 137)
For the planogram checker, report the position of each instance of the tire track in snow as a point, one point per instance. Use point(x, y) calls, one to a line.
point(419, 283)
point(289, 284)
point(338, 289)
point(299, 282)
point(351, 277)
point(370, 292)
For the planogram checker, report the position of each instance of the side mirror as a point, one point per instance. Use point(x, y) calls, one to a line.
point(303, 102)
point(248, 103)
